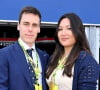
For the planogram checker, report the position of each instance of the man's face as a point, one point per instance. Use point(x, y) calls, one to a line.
point(29, 27)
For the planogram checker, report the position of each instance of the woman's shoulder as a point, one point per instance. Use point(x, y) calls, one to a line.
point(87, 62)
point(86, 58)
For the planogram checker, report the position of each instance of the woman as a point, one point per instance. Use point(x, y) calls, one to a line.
point(72, 66)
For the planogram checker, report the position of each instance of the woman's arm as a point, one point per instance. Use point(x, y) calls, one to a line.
point(89, 74)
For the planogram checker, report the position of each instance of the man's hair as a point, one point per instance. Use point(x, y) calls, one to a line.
point(29, 9)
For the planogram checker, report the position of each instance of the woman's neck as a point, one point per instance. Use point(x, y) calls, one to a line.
point(67, 51)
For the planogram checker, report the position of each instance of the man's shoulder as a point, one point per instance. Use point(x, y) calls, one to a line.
point(8, 48)
point(42, 51)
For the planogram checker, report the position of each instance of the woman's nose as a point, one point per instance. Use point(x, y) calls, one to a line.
point(63, 31)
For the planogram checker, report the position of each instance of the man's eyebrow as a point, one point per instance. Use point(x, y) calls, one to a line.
point(26, 22)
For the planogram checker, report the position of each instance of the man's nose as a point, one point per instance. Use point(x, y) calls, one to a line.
point(30, 28)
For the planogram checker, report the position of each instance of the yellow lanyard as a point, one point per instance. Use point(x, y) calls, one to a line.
point(59, 66)
point(31, 61)
point(52, 85)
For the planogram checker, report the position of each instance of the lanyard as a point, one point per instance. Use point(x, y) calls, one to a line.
point(59, 66)
point(31, 61)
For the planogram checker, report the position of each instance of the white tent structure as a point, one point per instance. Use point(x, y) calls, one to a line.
point(93, 35)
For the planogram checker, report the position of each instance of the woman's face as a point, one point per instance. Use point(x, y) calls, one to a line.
point(65, 35)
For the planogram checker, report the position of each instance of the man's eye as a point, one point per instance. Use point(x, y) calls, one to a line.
point(25, 24)
point(35, 25)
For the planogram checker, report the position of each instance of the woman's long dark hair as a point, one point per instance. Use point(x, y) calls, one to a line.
point(81, 44)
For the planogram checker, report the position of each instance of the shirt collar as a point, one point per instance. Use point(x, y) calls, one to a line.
point(26, 46)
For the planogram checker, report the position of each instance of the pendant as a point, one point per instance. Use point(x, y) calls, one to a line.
point(53, 86)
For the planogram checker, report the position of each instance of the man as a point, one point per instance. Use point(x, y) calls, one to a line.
point(19, 70)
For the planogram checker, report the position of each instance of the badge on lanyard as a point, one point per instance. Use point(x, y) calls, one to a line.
point(53, 86)
point(38, 87)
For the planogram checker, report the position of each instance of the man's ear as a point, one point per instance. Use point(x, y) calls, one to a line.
point(18, 27)
point(39, 31)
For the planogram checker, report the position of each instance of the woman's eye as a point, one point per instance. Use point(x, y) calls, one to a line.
point(59, 29)
point(69, 28)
